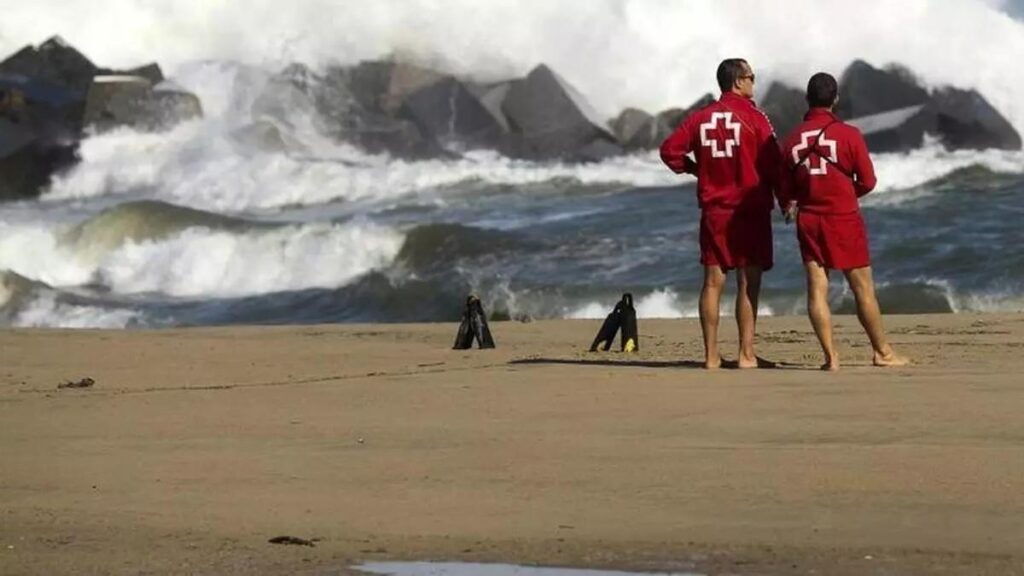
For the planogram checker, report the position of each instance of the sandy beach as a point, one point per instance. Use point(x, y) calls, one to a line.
point(195, 446)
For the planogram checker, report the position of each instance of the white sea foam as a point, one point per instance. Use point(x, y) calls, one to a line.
point(202, 262)
point(995, 298)
point(200, 164)
point(45, 311)
point(207, 172)
point(32, 250)
point(903, 172)
point(996, 301)
point(664, 303)
point(647, 53)
point(658, 304)
point(197, 167)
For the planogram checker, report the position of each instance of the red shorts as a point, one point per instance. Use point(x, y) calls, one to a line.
point(732, 239)
point(836, 241)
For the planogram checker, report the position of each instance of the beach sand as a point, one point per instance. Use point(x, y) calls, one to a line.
point(195, 446)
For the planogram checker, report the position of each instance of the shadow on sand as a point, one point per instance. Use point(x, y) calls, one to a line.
point(690, 364)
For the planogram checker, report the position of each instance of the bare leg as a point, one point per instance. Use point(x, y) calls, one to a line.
point(710, 299)
point(870, 317)
point(748, 288)
point(821, 316)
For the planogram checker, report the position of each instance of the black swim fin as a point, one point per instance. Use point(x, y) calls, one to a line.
point(479, 322)
point(630, 336)
point(464, 337)
point(473, 327)
point(610, 327)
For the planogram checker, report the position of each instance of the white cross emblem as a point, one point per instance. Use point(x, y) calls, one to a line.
point(709, 142)
point(804, 144)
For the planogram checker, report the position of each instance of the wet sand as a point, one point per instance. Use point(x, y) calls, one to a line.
point(196, 446)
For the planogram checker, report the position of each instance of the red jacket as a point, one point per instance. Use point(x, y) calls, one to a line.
point(738, 158)
point(812, 174)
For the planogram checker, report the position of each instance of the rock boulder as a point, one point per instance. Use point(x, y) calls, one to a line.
point(133, 101)
point(448, 113)
point(38, 134)
point(673, 117)
point(896, 130)
point(550, 119)
point(959, 119)
point(382, 86)
point(638, 130)
point(865, 90)
point(54, 61)
point(47, 95)
point(965, 120)
point(785, 107)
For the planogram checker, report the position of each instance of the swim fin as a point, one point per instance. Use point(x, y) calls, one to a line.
point(479, 322)
point(464, 337)
point(473, 327)
point(630, 336)
point(610, 327)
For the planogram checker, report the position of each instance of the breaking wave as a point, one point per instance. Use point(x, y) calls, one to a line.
point(153, 247)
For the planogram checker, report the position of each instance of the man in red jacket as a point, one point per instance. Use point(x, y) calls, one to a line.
point(827, 168)
point(736, 161)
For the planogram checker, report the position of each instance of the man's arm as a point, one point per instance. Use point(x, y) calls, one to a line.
point(862, 167)
point(773, 170)
point(675, 148)
point(770, 164)
point(786, 193)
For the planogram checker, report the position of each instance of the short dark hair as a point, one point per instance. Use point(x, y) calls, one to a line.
point(729, 71)
point(822, 90)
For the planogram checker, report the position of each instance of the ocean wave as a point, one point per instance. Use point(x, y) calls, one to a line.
point(911, 297)
point(430, 246)
point(220, 179)
point(658, 304)
point(141, 221)
point(664, 303)
point(26, 303)
point(933, 296)
point(903, 177)
point(200, 261)
point(200, 168)
point(47, 310)
point(15, 289)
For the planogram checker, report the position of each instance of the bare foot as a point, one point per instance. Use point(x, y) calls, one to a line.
point(831, 363)
point(713, 363)
point(890, 360)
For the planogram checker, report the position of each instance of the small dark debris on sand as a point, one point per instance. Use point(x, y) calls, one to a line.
point(292, 540)
point(83, 383)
